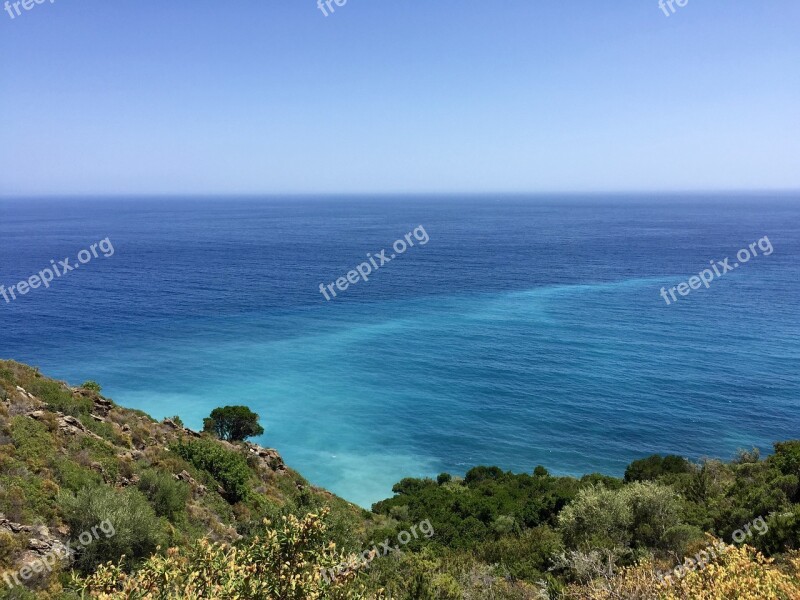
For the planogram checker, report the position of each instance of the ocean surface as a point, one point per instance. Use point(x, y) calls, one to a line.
point(526, 331)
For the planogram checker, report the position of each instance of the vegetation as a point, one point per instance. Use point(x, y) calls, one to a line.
point(282, 562)
point(137, 531)
point(91, 386)
point(233, 423)
point(195, 516)
point(70, 460)
point(227, 466)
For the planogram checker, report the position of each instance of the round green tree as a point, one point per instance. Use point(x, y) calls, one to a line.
point(233, 423)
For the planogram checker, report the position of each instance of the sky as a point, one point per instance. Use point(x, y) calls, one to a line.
point(410, 96)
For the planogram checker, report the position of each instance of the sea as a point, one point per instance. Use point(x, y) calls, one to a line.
point(524, 331)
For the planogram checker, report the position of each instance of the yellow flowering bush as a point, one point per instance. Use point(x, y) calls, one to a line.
point(740, 572)
point(284, 563)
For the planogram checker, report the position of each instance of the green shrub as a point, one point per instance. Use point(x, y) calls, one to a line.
point(167, 496)
point(410, 486)
point(639, 514)
point(228, 467)
point(526, 556)
point(92, 386)
point(653, 467)
point(787, 457)
point(136, 529)
point(100, 452)
point(32, 441)
point(73, 476)
point(479, 474)
point(101, 428)
point(59, 398)
point(10, 545)
point(27, 499)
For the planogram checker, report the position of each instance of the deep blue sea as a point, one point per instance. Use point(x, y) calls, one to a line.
point(526, 331)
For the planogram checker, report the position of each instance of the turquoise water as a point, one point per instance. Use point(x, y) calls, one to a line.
point(527, 331)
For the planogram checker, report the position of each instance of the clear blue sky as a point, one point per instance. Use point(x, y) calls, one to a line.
point(270, 96)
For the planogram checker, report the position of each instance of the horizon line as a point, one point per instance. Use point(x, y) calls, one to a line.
point(255, 195)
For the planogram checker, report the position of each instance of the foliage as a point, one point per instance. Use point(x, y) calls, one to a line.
point(58, 397)
point(284, 562)
point(228, 467)
point(653, 467)
point(32, 442)
point(740, 573)
point(233, 423)
point(92, 386)
point(137, 530)
point(641, 515)
point(167, 496)
point(487, 504)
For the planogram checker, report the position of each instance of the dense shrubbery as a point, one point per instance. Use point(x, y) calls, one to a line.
point(59, 398)
point(654, 467)
point(639, 515)
point(587, 529)
point(137, 530)
point(741, 573)
point(228, 467)
point(485, 505)
point(283, 563)
point(167, 496)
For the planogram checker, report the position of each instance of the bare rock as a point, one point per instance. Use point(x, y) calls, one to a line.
point(199, 488)
point(268, 457)
point(102, 406)
point(14, 527)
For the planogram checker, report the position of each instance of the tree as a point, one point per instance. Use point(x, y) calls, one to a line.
point(655, 466)
point(233, 423)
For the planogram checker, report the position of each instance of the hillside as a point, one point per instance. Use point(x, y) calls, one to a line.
point(67, 452)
